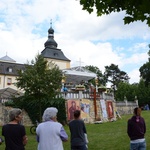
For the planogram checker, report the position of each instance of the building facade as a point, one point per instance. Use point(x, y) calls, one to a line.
point(8, 72)
point(9, 67)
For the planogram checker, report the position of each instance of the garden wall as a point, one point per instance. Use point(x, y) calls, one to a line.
point(103, 110)
point(4, 118)
point(126, 107)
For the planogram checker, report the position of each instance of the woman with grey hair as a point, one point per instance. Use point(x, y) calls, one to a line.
point(14, 132)
point(50, 133)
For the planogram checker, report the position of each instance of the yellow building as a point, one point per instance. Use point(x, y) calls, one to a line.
point(8, 72)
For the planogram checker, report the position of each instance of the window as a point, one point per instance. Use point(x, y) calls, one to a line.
point(9, 69)
point(9, 81)
point(55, 54)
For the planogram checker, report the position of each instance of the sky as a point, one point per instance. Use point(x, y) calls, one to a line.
point(84, 38)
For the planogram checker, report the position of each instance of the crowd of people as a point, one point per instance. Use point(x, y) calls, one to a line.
point(51, 134)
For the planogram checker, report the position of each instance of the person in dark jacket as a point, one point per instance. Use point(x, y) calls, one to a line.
point(136, 130)
point(78, 132)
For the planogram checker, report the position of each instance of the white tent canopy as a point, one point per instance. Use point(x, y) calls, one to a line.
point(78, 74)
point(8, 93)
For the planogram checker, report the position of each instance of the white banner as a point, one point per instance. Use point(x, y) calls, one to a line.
point(103, 106)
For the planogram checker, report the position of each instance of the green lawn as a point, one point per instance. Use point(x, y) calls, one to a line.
point(105, 136)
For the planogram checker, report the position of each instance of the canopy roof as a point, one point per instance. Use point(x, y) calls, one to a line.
point(8, 93)
point(78, 74)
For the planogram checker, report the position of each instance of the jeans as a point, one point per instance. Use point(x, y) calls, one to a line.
point(138, 146)
point(83, 147)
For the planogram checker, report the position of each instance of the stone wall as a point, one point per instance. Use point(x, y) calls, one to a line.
point(4, 118)
point(126, 107)
point(123, 108)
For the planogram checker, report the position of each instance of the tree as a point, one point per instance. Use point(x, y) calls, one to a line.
point(143, 94)
point(114, 75)
point(135, 9)
point(40, 81)
point(101, 78)
point(120, 94)
point(145, 71)
point(126, 90)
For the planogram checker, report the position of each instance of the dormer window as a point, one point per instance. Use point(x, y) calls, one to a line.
point(55, 54)
point(9, 69)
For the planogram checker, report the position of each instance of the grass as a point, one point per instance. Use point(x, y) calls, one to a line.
point(105, 136)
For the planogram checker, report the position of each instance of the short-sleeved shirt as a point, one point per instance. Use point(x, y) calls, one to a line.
point(13, 134)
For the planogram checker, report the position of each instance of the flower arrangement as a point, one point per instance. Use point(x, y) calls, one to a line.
point(80, 86)
point(102, 88)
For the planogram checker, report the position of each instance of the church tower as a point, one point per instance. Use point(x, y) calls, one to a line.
point(52, 53)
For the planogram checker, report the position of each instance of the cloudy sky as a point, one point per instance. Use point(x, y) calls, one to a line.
point(84, 37)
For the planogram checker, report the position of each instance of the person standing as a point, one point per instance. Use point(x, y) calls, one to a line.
point(14, 132)
point(65, 89)
point(78, 132)
point(136, 130)
point(50, 133)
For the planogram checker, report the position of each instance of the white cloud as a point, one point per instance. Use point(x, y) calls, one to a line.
point(97, 41)
point(137, 58)
point(134, 76)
